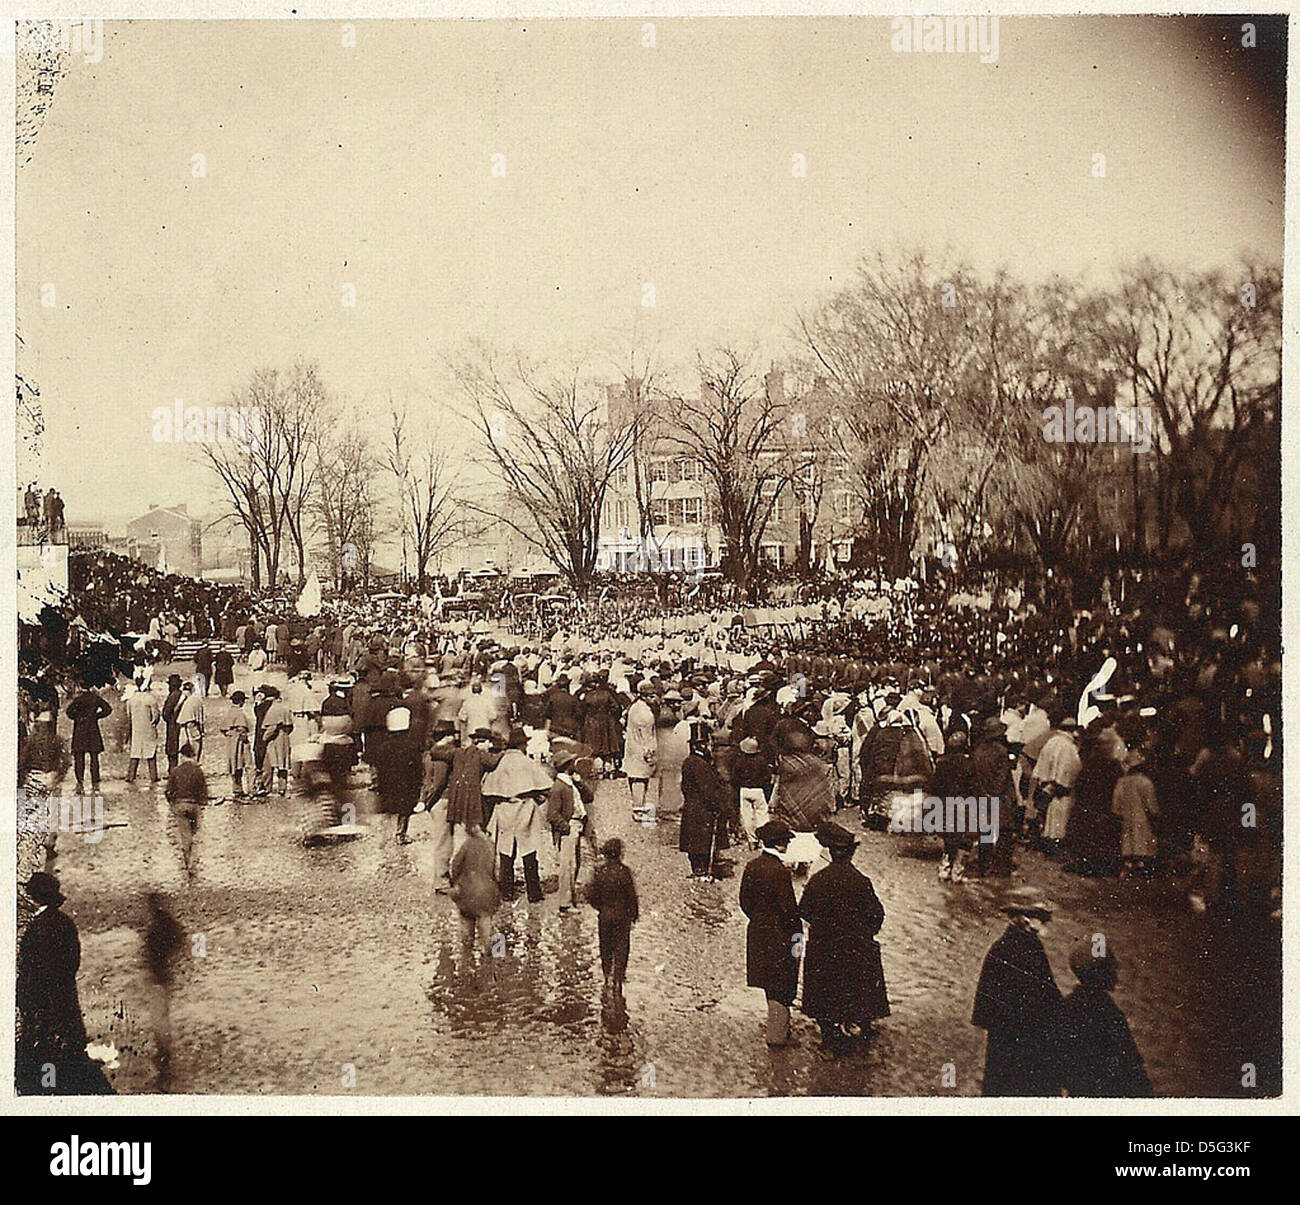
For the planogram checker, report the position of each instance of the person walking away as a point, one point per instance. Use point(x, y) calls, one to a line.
point(705, 807)
point(142, 716)
point(465, 803)
point(954, 778)
point(1017, 1003)
point(1098, 1054)
point(774, 937)
point(171, 724)
point(474, 890)
point(399, 771)
point(843, 976)
point(612, 893)
point(50, 1056)
point(751, 774)
point(85, 712)
point(566, 815)
point(223, 670)
point(203, 669)
point(164, 940)
point(187, 792)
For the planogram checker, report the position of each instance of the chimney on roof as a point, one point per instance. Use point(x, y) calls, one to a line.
point(153, 506)
point(183, 507)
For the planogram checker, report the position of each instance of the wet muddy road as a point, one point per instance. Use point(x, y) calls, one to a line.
point(337, 970)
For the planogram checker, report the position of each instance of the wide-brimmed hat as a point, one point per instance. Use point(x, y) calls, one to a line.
point(482, 734)
point(1027, 901)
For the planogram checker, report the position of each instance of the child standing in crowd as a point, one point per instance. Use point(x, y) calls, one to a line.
point(474, 889)
point(613, 894)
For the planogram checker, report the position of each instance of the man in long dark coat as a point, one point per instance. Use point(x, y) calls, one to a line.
point(705, 806)
point(843, 978)
point(774, 938)
point(51, 1054)
point(85, 712)
point(1018, 1003)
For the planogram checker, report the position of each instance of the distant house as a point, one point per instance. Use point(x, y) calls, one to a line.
point(177, 536)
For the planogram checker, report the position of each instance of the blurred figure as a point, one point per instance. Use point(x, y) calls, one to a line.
point(164, 939)
point(1098, 1055)
point(474, 890)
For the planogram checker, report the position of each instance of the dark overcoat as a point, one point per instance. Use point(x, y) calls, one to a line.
point(705, 801)
point(772, 952)
point(843, 979)
point(85, 712)
point(51, 1030)
point(1018, 1003)
point(1098, 1054)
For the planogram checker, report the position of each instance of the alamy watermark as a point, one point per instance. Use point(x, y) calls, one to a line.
point(206, 424)
point(84, 37)
point(52, 814)
point(1086, 424)
point(946, 35)
point(953, 814)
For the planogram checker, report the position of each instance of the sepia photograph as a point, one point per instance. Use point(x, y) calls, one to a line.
point(649, 559)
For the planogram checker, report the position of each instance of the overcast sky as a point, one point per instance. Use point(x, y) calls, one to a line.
point(329, 165)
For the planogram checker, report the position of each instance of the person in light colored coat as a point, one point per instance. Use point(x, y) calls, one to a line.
point(142, 714)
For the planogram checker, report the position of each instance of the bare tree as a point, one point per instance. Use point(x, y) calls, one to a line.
point(898, 348)
point(345, 503)
point(428, 501)
point(737, 429)
point(1204, 351)
point(552, 448)
point(268, 474)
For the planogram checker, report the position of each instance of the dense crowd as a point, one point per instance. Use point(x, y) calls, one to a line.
point(1139, 738)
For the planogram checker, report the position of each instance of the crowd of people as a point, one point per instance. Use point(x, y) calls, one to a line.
point(1134, 739)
